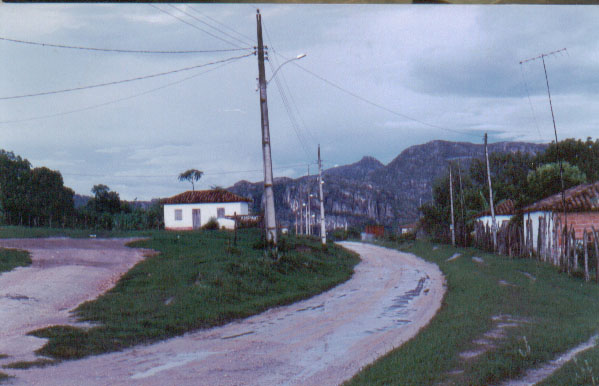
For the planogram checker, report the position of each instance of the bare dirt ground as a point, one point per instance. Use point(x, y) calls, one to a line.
point(64, 273)
point(320, 341)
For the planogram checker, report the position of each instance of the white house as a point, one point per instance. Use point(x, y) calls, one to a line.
point(503, 213)
point(582, 208)
point(193, 209)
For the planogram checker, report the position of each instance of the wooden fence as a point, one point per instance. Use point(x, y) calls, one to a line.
point(553, 245)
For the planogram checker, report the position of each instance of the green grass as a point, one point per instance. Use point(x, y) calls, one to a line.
point(197, 281)
point(561, 311)
point(42, 362)
point(12, 258)
point(19, 232)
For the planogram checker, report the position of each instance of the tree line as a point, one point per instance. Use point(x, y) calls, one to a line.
point(37, 197)
point(523, 178)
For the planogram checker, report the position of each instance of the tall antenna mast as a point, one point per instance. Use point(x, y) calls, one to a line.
point(559, 158)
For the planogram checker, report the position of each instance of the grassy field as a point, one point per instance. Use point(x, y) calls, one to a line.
point(17, 232)
point(198, 280)
point(546, 313)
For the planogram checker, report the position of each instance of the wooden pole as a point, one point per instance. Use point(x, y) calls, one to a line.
point(323, 231)
point(586, 255)
point(596, 238)
point(451, 200)
point(494, 226)
point(269, 209)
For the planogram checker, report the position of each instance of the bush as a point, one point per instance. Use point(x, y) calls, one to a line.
point(212, 224)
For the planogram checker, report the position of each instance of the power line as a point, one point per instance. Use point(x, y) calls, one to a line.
point(125, 80)
point(114, 100)
point(174, 175)
point(534, 117)
point(365, 100)
point(195, 26)
point(206, 24)
point(119, 50)
point(246, 37)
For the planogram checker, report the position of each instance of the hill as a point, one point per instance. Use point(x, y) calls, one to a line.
point(368, 191)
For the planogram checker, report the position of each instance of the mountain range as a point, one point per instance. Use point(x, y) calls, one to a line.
point(369, 192)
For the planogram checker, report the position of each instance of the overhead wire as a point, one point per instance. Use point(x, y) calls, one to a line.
point(208, 25)
point(91, 107)
point(530, 102)
point(19, 41)
point(251, 40)
point(112, 83)
point(195, 26)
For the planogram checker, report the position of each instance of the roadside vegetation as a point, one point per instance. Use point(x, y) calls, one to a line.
point(198, 280)
point(18, 232)
point(499, 317)
point(12, 258)
point(523, 178)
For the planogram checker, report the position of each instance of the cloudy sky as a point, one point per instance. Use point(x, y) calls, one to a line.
point(376, 79)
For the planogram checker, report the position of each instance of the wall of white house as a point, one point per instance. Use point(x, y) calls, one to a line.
point(499, 219)
point(534, 217)
point(207, 211)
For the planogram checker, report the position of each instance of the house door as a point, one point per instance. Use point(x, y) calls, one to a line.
point(197, 218)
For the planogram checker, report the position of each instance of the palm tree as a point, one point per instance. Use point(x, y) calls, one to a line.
point(191, 175)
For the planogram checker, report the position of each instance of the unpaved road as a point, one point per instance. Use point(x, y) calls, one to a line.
point(64, 273)
point(320, 341)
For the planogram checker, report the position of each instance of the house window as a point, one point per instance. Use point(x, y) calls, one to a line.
point(178, 214)
point(220, 212)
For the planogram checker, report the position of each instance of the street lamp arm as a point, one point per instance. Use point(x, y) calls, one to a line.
point(284, 63)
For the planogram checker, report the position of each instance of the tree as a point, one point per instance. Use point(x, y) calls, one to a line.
point(545, 180)
point(191, 175)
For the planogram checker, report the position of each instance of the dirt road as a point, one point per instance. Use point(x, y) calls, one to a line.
point(320, 341)
point(64, 273)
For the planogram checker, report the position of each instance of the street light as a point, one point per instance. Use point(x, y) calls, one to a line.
point(284, 63)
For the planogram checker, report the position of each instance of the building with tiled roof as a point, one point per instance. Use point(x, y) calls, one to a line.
point(582, 208)
point(503, 213)
point(193, 209)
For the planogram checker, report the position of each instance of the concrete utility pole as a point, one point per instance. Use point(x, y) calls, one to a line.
point(269, 210)
point(451, 200)
point(494, 223)
point(323, 232)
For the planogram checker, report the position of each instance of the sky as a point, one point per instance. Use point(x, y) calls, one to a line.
point(375, 80)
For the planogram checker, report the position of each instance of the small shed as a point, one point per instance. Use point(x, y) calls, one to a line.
point(193, 209)
point(408, 228)
point(582, 208)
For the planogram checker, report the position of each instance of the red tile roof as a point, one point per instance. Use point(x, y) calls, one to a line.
point(205, 196)
point(506, 207)
point(581, 198)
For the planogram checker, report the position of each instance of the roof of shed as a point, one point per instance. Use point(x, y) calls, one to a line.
point(505, 208)
point(205, 196)
point(581, 198)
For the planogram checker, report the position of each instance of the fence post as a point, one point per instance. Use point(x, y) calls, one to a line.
point(596, 255)
point(586, 255)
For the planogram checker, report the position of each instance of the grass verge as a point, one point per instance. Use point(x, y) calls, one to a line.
point(42, 362)
point(12, 258)
point(554, 313)
point(21, 232)
point(198, 280)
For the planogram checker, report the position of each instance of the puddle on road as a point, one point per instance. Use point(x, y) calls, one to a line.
point(177, 361)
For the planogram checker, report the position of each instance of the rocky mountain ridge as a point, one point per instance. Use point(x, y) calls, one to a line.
point(369, 192)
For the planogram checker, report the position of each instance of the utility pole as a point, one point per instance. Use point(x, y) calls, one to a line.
point(559, 158)
point(494, 223)
point(462, 204)
point(451, 200)
point(323, 232)
point(269, 210)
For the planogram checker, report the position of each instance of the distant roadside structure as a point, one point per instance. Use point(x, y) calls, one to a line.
point(408, 228)
point(193, 209)
point(372, 232)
